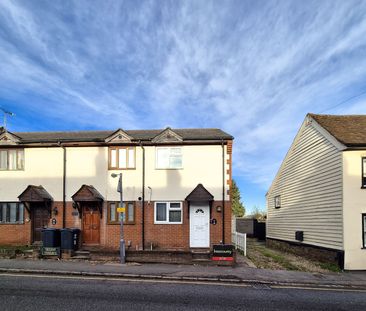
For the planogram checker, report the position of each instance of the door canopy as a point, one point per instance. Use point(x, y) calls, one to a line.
point(87, 193)
point(36, 194)
point(200, 194)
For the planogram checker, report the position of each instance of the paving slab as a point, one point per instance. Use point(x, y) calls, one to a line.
point(187, 272)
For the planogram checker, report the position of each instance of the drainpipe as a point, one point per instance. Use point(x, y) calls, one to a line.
point(223, 191)
point(64, 189)
point(143, 197)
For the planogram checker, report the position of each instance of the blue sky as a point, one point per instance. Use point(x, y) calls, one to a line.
point(252, 68)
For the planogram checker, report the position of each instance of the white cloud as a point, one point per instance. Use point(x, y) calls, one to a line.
point(253, 69)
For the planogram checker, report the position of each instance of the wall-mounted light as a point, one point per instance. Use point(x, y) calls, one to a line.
point(218, 209)
point(55, 211)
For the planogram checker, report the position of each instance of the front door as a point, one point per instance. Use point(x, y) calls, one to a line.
point(40, 217)
point(199, 218)
point(91, 224)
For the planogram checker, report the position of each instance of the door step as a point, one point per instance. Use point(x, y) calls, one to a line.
point(201, 255)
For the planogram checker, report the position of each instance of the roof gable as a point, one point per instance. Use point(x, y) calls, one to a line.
point(8, 138)
point(167, 136)
point(119, 136)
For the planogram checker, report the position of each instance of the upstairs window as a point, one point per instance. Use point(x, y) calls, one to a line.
point(277, 201)
point(11, 159)
point(363, 173)
point(169, 158)
point(11, 213)
point(128, 215)
point(122, 158)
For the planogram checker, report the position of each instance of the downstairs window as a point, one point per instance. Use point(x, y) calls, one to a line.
point(11, 213)
point(168, 213)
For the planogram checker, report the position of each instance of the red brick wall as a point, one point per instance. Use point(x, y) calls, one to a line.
point(162, 236)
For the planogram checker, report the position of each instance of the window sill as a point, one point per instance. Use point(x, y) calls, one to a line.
point(168, 223)
point(121, 169)
point(11, 223)
point(169, 168)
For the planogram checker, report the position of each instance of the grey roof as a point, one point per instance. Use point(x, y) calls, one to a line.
point(347, 129)
point(100, 136)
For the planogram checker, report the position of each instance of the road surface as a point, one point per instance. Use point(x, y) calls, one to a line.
point(31, 292)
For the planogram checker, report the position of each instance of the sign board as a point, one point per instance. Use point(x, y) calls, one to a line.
point(121, 209)
point(50, 251)
point(223, 252)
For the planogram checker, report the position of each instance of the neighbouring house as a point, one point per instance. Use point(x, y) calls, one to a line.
point(317, 202)
point(176, 186)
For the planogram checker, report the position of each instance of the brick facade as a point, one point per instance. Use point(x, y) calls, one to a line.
point(158, 236)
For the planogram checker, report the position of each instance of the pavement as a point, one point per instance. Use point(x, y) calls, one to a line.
point(187, 273)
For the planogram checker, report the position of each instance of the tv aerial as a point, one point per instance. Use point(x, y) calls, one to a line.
point(6, 113)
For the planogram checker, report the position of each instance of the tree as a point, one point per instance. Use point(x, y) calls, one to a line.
point(259, 213)
point(237, 207)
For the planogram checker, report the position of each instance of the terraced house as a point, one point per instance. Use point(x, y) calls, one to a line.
point(317, 202)
point(176, 185)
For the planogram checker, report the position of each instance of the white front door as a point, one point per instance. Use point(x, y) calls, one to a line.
point(199, 225)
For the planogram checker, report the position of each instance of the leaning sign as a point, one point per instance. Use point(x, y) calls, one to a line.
point(223, 252)
point(50, 251)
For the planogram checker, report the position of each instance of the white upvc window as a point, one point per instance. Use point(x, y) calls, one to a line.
point(168, 213)
point(169, 158)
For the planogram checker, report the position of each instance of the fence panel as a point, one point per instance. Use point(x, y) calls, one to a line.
point(239, 240)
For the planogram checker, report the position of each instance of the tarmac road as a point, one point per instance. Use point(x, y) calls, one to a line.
point(32, 292)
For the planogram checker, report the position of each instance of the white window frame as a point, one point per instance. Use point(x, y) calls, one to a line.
point(168, 167)
point(167, 222)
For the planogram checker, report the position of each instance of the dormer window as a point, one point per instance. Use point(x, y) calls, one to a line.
point(11, 159)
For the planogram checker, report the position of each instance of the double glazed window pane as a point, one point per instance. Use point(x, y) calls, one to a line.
point(161, 211)
point(3, 159)
point(363, 172)
point(112, 212)
point(175, 216)
point(122, 160)
point(130, 212)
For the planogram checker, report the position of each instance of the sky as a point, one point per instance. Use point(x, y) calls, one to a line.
point(252, 68)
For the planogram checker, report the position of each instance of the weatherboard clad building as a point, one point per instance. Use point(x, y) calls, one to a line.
point(317, 202)
point(176, 186)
